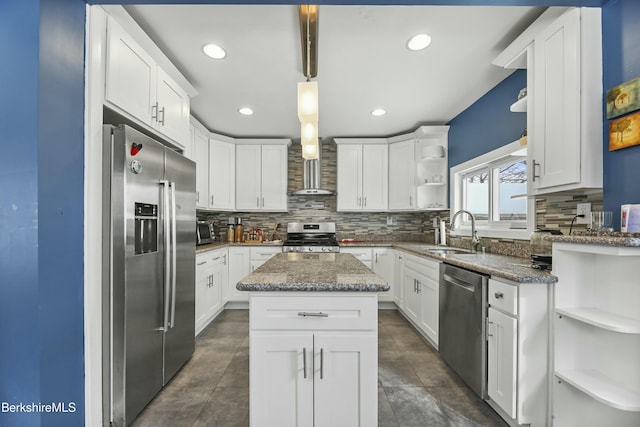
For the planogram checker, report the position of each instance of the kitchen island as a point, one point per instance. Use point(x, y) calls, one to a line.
point(313, 341)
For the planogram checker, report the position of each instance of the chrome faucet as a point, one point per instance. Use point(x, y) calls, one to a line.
point(475, 240)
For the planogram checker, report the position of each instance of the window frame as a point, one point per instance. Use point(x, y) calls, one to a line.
point(489, 227)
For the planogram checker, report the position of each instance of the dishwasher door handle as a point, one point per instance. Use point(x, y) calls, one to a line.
point(465, 285)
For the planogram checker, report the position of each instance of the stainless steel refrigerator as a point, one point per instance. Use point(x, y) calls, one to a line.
point(148, 269)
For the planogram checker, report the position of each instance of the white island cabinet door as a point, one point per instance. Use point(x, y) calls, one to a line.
point(502, 360)
point(281, 383)
point(384, 266)
point(345, 376)
point(239, 267)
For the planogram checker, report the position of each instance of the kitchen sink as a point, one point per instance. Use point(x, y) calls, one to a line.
point(443, 250)
point(447, 251)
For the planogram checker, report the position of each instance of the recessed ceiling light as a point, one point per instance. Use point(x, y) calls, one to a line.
point(245, 111)
point(378, 112)
point(419, 42)
point(214, 51)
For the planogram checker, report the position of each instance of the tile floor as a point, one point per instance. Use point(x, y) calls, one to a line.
point(415, 388)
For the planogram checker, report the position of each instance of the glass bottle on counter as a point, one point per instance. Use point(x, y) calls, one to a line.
point(230, 233)
point(238, 231)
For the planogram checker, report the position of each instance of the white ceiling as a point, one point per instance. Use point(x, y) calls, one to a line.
point(363, 63)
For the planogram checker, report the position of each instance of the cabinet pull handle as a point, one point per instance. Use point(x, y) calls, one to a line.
point(216, 258)
point(263, 202)
point(321, 363)
point(376, 258)
point(534, 176)
point(489, 334)
point(308, 314)
point(154, 112)
point(212, 200)
point(365, 202)
point(304, 362)
point(359, 201)
point(410, 201)
point(418, 290)
point(161, 111)
point(258, 202)
point(201, 263)
point(498, 295)
point(224, 259)
point(197, 196)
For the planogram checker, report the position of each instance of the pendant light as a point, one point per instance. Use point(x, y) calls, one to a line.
point(308, 90)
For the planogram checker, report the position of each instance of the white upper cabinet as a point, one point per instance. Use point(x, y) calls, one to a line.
point(222, 174)
point(137, 86)
point(261, 175)
point(563, 57)
point(402, 188)
point(362, 174)
point(201, 150)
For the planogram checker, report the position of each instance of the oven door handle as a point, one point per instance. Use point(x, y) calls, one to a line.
point(464, 285)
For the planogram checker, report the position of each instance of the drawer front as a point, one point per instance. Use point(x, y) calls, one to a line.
point(314, 312)
point(363, 254)
point(426, 267)
point(263, 254)
point(503, 296)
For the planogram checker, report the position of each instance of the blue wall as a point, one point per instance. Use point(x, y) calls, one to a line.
point(488, 124)
point(621, 58)
point(41, 209)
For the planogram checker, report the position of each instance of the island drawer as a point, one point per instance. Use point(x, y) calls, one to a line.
point(330, 312)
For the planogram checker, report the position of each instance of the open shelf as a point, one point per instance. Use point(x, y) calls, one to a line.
point(602, 319)
point(520, 106)
point(427, 184)
point(602, 388)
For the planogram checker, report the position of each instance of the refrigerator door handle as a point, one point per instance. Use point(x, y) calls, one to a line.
point(173, 255)
point(167, 250)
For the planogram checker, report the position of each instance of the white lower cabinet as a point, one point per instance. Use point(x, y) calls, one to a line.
point(211, 277)
point(383, 263)
point(239, 267)
point(518, 322)
point(313, 371)
point(502, 356)
point(420, 280)
point(242, 261)
point(398, 284)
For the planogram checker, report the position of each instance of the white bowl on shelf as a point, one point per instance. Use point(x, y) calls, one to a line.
point(432, 151)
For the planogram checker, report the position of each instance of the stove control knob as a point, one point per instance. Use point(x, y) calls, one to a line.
point(324, 249)
point(310, 249)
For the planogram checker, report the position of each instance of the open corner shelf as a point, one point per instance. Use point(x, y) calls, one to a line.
point(520, 106)
point(602, 388)
point(602, 319)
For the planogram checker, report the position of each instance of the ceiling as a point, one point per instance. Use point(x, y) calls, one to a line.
point(363, 63)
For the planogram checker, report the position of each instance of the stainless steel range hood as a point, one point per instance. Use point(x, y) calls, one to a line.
point(311, 178)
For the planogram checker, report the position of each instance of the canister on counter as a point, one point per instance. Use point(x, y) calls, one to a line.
point(238, 231)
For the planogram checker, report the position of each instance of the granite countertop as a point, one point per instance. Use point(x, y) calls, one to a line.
point(221, 244)
point(601, 239)
point(313, 273)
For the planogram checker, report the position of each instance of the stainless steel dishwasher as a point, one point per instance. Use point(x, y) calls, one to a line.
point(463, 309)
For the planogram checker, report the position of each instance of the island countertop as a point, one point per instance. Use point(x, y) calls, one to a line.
point(328, 272)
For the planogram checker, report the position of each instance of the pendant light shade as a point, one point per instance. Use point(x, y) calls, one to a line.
point(309, 140)
point(308, 101)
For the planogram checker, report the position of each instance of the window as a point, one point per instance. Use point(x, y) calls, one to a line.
point(493, 187)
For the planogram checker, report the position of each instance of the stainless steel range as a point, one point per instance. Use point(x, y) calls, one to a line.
point(311, 237)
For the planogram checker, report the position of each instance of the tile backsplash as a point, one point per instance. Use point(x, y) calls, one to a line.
point(551, 212)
